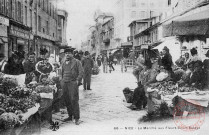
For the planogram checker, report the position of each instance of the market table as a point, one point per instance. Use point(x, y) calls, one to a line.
point(199, 98)
point(26, 121)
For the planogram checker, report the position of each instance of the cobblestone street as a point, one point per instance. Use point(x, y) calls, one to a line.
point(103, 110)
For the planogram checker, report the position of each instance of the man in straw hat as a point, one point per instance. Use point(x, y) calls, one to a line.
point(72, 73)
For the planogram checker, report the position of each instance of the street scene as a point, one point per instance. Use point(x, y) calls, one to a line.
point(104, 67)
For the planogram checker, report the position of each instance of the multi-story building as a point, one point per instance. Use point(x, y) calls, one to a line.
point(46, 36)
point(62, 27)
point(103, 32)
point(29, 25)
point(108, 34)
point(187, 23)
point(129, 10)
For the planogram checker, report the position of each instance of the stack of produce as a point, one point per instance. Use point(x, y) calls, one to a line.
point(170, 87)
point(14, 100)
point(165, 88)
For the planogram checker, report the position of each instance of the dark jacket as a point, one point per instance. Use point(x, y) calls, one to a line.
point(87, 64)
point(72, 71)
point(167, 62)
point(28, 66)
point(13, 69)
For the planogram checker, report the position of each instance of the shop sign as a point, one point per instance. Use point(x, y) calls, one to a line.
point(19, 32)
point(4, 21)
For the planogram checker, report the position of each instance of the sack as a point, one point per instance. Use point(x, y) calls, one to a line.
point(161, 76)
point(128, 95)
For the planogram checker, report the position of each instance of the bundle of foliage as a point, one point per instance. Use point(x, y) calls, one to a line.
point(161, 112)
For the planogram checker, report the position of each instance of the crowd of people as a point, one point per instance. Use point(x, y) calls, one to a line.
point(72, 68)
point(107, 62)
point(189, 71)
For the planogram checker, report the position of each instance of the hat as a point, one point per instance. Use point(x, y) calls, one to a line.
point(68, 50)
point(86, 53)
point(207, 54)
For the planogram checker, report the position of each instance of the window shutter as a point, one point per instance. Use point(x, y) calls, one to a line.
point(13, 9)
point(22, 14)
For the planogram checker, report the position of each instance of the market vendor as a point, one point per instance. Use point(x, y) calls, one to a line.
point(195, 56)
point(166, 61)
point(14, 66)
point(197, 76)
point(194, 76)
point(29, 68)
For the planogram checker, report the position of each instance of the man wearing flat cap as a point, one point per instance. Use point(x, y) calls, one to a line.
point(72, 73)
point(87, 64)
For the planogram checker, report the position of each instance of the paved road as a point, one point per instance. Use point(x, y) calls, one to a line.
point(104, 111)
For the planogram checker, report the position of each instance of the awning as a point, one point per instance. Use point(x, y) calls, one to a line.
point(195, 24)
point(127, 44)
point(174, 49)
point(180, 28)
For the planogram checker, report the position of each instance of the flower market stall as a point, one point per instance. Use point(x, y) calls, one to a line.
point(173, 96)
point(23, 106)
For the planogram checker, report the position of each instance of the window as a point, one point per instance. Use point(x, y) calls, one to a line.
point(16, 10)
point(142, 4)
point(152, 4)
point(151, 13)
point(19, 11)
point(6, 7)
point(59, 20)
point(133, 3)
point(43, 4)
point(39, 3)
point(35, 22)
point(48, 6)
point(47, 27)
point(39, 23)
point(133, 14)
point(26, 18)
point(31, 18)
point(50, 9)
point(169, 2)
point(10, 8)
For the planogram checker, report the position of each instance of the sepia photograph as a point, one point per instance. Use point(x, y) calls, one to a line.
point(104, 67)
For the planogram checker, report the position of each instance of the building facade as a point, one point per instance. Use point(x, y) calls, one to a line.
point(30, 25)
point(108, 34)
point(188, 24)
point(128, 10)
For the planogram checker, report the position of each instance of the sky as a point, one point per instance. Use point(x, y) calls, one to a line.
point(80, 17)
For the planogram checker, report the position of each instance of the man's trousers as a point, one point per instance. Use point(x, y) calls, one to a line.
point(87, 80)
point(71, 98)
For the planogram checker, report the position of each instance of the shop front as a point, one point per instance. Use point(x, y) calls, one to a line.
point(3, 37)
point(20, 38)
point(49, 46)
